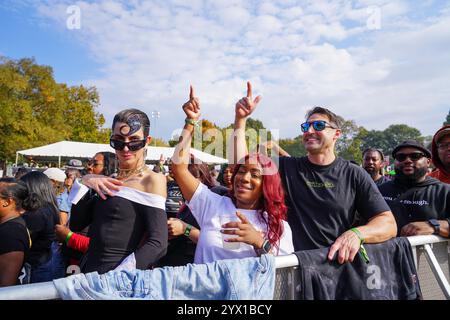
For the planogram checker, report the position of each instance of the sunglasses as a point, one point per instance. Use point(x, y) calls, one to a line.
point(134, 145)
point(318, 125)
point(413, 156)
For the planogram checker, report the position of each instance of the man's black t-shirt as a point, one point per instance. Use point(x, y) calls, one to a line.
point(382, 180)
point(322, 200)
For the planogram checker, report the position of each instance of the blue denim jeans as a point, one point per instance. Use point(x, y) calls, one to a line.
point(232, 279)
point(54, 268)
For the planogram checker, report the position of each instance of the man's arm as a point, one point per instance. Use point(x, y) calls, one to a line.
point(244, 108)
point(424, 228)
point(380, 228)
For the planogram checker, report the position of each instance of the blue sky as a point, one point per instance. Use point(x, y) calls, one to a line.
point(297, 54)
point(23, 35)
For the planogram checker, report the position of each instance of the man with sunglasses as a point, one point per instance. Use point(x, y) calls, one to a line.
point(323, 191)
point(440, 149)
point(421, 204)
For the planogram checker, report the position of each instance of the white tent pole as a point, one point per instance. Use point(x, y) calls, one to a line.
point(17, 157)
point(59, 161)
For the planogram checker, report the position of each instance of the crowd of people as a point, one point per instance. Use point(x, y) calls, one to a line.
point(120, 214)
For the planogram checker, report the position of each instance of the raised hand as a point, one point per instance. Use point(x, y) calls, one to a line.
point(192, 107)
point(246, 105)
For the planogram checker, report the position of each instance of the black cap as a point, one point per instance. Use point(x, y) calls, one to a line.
point(411, 144)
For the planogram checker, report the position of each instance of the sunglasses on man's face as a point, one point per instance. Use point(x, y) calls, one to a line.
point(318, 125)
point(413, 156)
point(133, 145)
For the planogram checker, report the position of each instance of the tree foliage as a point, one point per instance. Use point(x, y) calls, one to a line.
point(447, 120)
point(293, 146)
point(387, 139)
point(36, 110)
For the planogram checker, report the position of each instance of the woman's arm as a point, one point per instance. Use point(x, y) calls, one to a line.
point(10, 266)
point(71, 239)
point(180, 160)
point(155, 245)
point(244, 108)
point(79, 242)
point(177, 227)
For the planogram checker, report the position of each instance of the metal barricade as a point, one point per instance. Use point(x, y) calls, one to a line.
point(431, 257)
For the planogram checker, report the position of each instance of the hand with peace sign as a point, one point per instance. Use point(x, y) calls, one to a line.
point(246, 105)
point(192, 107)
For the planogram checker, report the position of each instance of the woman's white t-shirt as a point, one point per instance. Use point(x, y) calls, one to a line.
point(207, 206)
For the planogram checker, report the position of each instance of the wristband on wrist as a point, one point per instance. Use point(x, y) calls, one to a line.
point(362, 250)
point(68, 237)
point(195, 123)
point(188, 229)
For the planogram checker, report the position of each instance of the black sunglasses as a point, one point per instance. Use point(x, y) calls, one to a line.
point(134, 145)
point(318, 125)
point(413, 156)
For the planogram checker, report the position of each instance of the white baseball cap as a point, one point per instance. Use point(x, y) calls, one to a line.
point(55, 174)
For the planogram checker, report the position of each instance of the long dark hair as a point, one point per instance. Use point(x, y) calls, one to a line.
point(109, 162)
point(272, 196)
point(40, 184)
point(221, 174)
point(11, 188)
point(200, 171)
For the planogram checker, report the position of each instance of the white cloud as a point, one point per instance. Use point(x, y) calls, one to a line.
point(297, 55)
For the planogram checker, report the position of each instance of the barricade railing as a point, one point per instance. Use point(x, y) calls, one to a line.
point(431, 257)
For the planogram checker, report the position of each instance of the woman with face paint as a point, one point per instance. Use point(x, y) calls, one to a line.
point(126, 216)
point(249, 222)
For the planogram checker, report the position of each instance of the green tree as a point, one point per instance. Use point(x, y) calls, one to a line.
point(36, 110)
point(389, 138)
point(293, 146)
point(447, 120)
point(348, 146)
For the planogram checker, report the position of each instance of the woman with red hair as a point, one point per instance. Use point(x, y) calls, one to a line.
point(256, 200)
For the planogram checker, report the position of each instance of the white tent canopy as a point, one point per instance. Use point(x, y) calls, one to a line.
point(71, 149)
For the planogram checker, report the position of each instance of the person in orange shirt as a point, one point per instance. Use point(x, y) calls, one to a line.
point(440, 149)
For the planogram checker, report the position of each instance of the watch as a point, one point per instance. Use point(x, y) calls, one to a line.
point(266, 246)
point(435, 224)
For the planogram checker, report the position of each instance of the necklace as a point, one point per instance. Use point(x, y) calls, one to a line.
point(126, 173)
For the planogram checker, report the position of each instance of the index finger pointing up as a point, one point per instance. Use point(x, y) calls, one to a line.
point(191, 92)
point(249, 89)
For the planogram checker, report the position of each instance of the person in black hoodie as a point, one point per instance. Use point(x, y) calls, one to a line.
point(420, 204)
